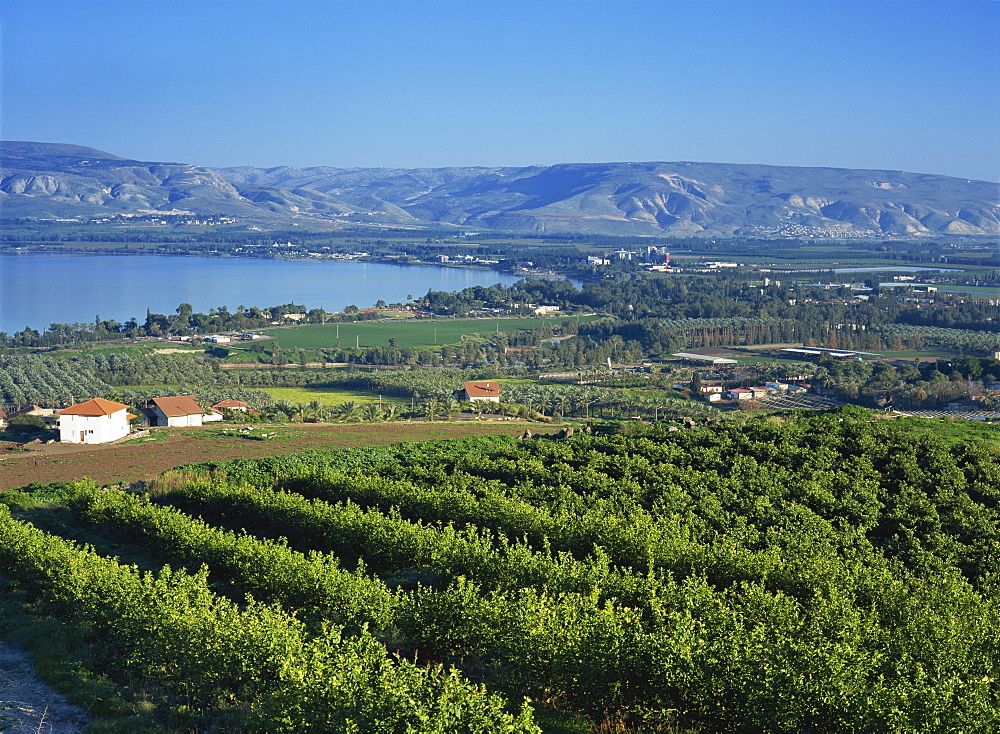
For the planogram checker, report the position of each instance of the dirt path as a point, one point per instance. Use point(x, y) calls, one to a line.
point(131, 462)
point(28, 706)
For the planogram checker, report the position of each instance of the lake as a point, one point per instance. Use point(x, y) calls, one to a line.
point(41, 289)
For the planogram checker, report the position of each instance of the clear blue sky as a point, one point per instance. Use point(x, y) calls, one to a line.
point(908, 85)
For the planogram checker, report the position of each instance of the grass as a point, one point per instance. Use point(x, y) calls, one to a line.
point(108, 349)
point(57, 650)
point(955, 431)
point(329, 395)
point(424, 333)
point(971, 290)
point(923, 354)
point(155, 434)
point(224, 435)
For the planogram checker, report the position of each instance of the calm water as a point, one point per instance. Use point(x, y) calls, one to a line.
point(38, 290)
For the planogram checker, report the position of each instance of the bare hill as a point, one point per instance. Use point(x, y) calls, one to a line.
point(658, 198)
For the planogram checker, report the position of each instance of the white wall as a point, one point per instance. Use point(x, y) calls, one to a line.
point(93, 428)
point(185, 420)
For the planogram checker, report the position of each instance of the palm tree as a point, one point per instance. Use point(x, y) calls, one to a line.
point(563, 401)
point(449, 405)
point(372, 412)
point(312, 410)
point(350, 412)
point(430, 408)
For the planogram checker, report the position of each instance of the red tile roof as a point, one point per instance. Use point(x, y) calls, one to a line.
point(482, 389)
point(230, 404)
point(95, 407)
point(178, 405)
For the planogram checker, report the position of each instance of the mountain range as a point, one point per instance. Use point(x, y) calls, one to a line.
point(49, 180)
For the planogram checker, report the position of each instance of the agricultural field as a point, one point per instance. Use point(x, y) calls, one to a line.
point(972, 290)
point(145, 458)
point(954, 432)
point(331, 395)
point(423, 333)
point(925, 355)
point(789, 573)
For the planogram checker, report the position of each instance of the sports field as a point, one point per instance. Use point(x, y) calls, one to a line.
point(424, 333)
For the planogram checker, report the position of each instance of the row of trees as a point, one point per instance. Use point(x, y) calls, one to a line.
point(184, 322)
point(828, 572)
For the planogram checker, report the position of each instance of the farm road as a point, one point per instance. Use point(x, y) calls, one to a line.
point(28, 706)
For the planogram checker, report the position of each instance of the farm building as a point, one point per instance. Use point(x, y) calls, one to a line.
point(231, 405)
point(179, 411)
point(472, 391)
point(49, 415)
point(95, 421)
point(703, 358)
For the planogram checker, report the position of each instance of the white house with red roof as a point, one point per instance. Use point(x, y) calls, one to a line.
point(740, 393)
point(95, 421)
point(471, 391)
point(231, 405)
point(179, 411)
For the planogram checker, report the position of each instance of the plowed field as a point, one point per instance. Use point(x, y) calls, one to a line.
point(130, 462)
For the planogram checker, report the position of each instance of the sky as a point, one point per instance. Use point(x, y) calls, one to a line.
point(910, 85)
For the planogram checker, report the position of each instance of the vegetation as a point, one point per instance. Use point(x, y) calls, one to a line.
point(405, 334)
point(827, 572)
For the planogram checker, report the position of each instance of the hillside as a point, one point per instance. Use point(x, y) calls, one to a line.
point(674, 198)
point(50, 180)
point(685, 198)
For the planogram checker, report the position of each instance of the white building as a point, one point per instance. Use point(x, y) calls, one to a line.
point(178, 411)
point(472, 391)
point(95, 421)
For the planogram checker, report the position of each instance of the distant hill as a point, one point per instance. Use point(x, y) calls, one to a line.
point(709, 199)
point(54, 180)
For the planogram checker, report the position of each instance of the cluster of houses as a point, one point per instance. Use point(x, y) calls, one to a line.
point(716, 393)
point(102, 421)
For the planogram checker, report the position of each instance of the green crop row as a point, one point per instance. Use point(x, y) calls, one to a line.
point(255, 662)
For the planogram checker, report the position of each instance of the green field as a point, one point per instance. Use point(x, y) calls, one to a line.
point(409, 333)
point(978, 291)
point(925, 355)
point(329, 395)
point(955, 431)
point(986, 291)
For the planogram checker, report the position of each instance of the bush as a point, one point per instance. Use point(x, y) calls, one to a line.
point(241, 416)
point(26, 424)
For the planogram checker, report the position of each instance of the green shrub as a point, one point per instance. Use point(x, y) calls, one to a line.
point(26, 424)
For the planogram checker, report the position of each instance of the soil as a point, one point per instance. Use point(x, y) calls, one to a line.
point(131, 462)
point(28, 706)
